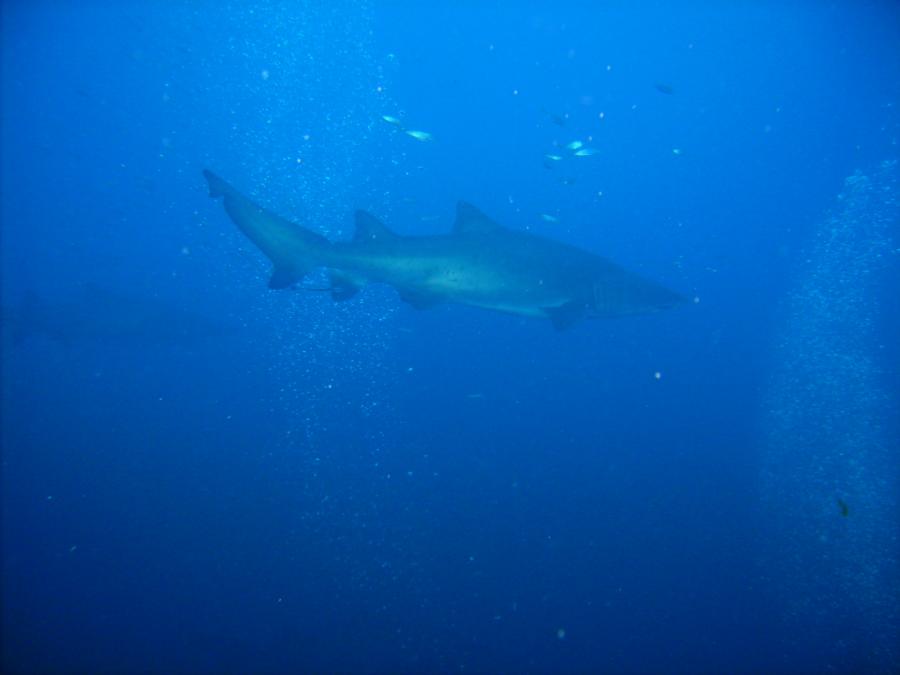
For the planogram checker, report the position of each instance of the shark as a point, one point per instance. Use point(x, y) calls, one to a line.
point(480, 263)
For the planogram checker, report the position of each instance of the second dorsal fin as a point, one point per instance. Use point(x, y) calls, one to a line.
point(369, 228)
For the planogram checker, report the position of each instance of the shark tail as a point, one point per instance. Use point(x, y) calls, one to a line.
point(293, 250)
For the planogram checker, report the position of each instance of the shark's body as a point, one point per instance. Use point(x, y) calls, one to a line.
point(481, 264)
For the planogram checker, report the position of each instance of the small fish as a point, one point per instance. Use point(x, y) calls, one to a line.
point(419, 135)
point(842, 505)
point(392, 120)
point(586, 152)
point(574, 145)
point(676, 151)
point(559, 120)
point(548, 218)
point(663, 88)
point(553, 158)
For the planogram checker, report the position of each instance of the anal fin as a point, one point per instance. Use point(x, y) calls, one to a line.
point(566, 315)
point(284, 276)
point(418, 299)
point(344, 285)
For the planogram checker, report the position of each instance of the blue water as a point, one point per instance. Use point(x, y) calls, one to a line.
point(268, 481)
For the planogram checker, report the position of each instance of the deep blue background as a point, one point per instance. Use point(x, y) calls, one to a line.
point(371, 487)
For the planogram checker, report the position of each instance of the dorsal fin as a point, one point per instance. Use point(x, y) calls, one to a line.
point(470, 220)
point(369, 228)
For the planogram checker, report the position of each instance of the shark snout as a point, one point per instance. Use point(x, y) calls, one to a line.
point(660, 298)
point(635, 296)
point(672, 299)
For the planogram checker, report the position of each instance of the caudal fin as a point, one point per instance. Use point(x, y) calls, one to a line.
point(293, 249)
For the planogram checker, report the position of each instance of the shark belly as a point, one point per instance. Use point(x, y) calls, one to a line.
point(451, 276)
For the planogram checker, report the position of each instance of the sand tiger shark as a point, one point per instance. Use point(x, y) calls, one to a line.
point(480, 263)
